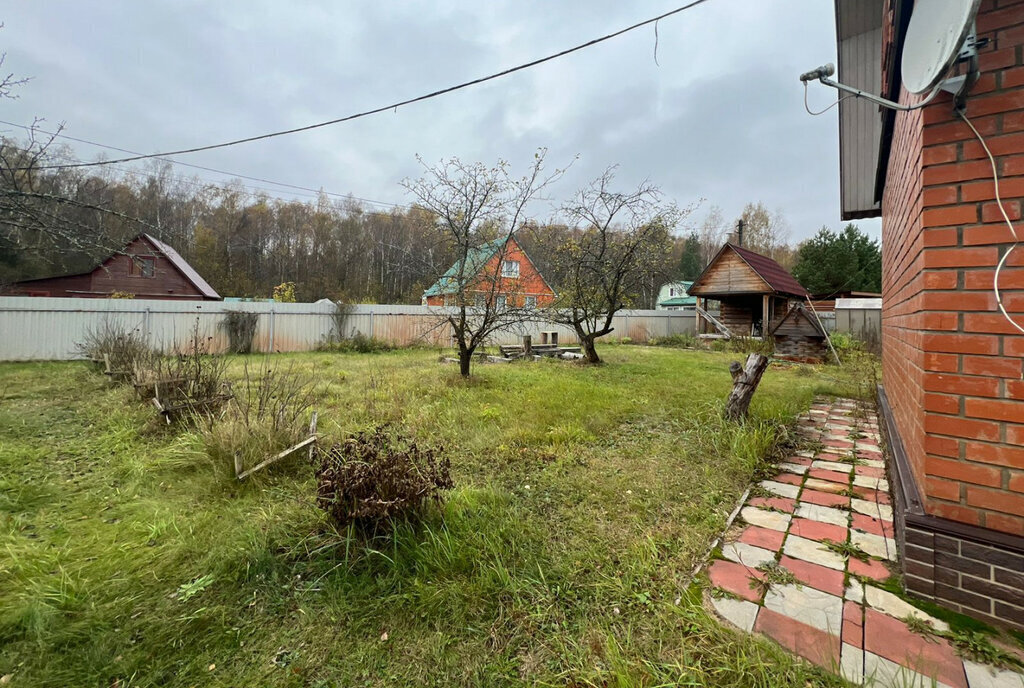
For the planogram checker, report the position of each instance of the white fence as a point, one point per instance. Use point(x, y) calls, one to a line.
point(35, 328)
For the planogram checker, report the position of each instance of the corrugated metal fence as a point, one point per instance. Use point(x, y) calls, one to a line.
point(50, 329)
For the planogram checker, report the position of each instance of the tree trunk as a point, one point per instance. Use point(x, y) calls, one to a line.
point(589, 350)
point(745, 381)
point(465, 359)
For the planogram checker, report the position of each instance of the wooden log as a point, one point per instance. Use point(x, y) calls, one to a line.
point(527, 345)
point(745, 382)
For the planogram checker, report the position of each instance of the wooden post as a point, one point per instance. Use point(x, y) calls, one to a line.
point(765, 315)
point(745, 381)
point(527, 345)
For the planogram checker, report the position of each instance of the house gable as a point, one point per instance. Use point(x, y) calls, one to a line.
point(728, 273)
point(483, 264)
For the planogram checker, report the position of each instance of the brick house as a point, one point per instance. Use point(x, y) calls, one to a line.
point(953, 393)
point(146, 268)
point(500, 269)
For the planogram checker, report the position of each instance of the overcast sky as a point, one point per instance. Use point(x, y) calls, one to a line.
point(718, 119)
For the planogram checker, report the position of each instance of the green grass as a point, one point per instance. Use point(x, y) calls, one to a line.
point(585, 496)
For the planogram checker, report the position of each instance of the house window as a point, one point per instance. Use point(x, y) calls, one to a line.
point(510, 268)
point(449, 300)
point(499, 304)
point(144, 266)
point(671, 292)
point(531, 302)
point(480, 301)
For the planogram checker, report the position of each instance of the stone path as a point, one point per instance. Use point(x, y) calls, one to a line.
point(802, 563)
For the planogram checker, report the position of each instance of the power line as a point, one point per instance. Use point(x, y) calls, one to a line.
point(187, 164)
point(392, 106)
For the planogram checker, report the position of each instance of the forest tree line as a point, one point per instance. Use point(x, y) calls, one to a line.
point(246, 242)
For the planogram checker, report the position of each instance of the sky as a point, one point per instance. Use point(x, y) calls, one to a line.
point(710, 110)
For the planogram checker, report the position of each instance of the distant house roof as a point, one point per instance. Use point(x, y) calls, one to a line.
point(183, 267)
point(476, 258)
point(684, 300)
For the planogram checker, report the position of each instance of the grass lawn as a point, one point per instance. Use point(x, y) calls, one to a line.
point(584, 499)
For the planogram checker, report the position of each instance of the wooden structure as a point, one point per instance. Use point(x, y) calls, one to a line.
point(745, 380)
point(145, 268)
point(755, 294)
point(799, 336)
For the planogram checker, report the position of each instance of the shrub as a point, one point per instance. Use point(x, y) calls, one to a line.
point(191, 380)
point(357, 343)
point(342, 313)
point(267, 413)
point(372, 480)
point(125, 348)
point(241, 329)
point(285, 292)
point(681, 341)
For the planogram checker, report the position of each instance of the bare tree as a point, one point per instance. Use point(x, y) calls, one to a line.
point(621, 239)
point(712, 234)
point(765, 231)
point(478, 209)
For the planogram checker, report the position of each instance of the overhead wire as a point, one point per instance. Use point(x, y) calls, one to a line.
point(396, 105)
point(1006, 217)
point(206, 169)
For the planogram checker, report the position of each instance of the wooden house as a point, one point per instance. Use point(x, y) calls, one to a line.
point(799, 336)
point(500, 269)
point(754, 292)
point(146, 268)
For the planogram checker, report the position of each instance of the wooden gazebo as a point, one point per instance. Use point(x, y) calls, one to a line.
point(754, 291)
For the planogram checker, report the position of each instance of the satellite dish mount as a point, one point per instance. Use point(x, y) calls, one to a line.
point(941, 34)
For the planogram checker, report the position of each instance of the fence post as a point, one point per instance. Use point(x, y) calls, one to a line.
point(270, 347)
point(147, 329)
point(371, 323)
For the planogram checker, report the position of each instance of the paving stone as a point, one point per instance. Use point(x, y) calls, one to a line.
point(853, 624)
point(748, 555)
point(818, 577)
point(824, 514)
point(875, 545)
point(891, 639)
point(824, 498)
point(885, 601)
point(788, 478)
point(982, 676)
point(797, 468)
point(854, 591)
point(766, 519)
point(875, 570)
point(814, 645)
point(825, 485)
point(765, 538)
point(787, 505)
point(734, 578)
point(882, 511)
point(851, 664)
point(814, 552)
point(874, 526)
point(871, 463)
point(831, 476)
point(739, 613)
point(870, 471)
point(869, 495)
point(780, 489)
point(807, 605)
point(817, 530)
point(879, 672)
point(880, 484)
point(833, 466)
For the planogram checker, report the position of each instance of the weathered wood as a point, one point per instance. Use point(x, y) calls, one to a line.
point(277, 457)
point(729, 274)
point(745, 382)
point(711, 319)
point(312, 433)
point(527, 345)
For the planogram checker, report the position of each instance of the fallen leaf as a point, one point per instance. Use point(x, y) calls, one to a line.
point(211, 667)
point(384, 635)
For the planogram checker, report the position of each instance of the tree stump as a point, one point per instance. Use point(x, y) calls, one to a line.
point(745, 380)
point(527, 345)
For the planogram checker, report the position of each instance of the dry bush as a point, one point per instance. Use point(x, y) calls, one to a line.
point(125, 347)
point(372, 480)
point(269, 412)
point(241, 329)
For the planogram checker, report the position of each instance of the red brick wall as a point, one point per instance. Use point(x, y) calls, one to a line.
point(952, 366)
point(529, 283)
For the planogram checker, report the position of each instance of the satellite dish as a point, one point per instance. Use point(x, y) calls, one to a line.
point(938, 29)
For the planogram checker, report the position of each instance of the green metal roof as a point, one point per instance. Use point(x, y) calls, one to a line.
point(679, 301)
point(476, 258)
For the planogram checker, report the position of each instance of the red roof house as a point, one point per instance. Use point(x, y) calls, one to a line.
point(953, 365)
point(499, 269)
point(146, 268)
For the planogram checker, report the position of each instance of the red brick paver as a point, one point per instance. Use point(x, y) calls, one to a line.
point(762, 537)
point(810, 643)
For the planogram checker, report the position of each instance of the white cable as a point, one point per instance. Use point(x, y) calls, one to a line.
point(1013, 230)
point(821, 112)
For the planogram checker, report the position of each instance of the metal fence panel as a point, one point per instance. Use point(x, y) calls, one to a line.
point(34, 328)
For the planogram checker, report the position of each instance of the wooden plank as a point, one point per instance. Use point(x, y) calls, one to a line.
point(277, 457)
point(729, 274)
